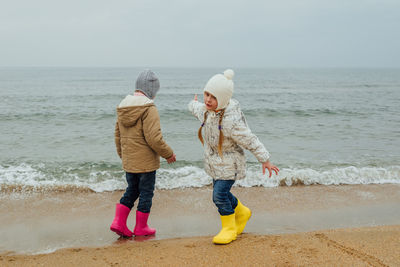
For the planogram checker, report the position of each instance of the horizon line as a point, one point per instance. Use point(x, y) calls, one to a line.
point(207, 67)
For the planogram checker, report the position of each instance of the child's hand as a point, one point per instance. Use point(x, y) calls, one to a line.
point(171, 159)
point(195, 97)
point(270, 168)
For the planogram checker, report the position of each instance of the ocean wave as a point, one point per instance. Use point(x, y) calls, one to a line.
point(171, 114)
point(30, 177)
point(265, 112)
point(334, 176)
point(108, 177)
point(43, 116)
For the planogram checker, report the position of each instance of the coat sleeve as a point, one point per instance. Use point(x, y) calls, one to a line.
point(153, 135)
point(197, 109)
point(243, 136)
point(118, 139)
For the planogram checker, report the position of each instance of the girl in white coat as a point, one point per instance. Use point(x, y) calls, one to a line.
point(226, 134)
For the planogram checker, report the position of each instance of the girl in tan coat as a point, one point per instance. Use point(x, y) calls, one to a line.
point(140, 144)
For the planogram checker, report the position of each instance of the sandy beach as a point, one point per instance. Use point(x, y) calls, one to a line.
point(354, 225)
point(375, 246)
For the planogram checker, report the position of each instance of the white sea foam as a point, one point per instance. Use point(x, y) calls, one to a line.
point(334, 176)
point(189, 176)
point(25, 175)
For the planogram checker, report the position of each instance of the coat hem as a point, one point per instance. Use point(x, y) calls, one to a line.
point(141, 171)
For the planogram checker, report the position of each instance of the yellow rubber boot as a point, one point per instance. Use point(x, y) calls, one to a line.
point(242, 215)
point(228, 231)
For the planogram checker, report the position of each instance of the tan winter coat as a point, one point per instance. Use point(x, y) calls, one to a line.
point(138, 136)
point(237, 136)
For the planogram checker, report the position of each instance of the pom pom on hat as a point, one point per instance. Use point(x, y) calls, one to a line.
point(229, 74)
point(221, 86)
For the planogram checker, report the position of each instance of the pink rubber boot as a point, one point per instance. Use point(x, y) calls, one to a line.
point(119, 223)
point(141, 227)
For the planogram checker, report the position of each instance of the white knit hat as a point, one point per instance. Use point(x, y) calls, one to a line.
point(221, 86)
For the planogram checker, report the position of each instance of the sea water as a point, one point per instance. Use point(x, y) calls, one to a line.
point(321, 126)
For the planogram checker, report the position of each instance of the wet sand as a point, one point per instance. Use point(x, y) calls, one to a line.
point(376, 246)
point(286, 221)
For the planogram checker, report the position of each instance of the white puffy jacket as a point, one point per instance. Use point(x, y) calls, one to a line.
point(237, 136)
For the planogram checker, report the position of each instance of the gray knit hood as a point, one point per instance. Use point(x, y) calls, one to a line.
point(148, 83)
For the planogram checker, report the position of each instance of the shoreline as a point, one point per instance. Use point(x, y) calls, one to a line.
point(40, 222)
point(374, 246)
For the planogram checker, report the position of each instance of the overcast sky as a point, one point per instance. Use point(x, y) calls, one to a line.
point(203, 33)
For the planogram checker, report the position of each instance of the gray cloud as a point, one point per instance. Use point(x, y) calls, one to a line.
point(286, 33)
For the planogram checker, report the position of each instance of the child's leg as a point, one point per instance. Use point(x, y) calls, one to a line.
point(223, 198)
point(233, 200)
point(146, 191)
point(132, 191)
point(123, 209)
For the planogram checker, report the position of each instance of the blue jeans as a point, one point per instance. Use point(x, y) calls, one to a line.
point(225, 201)
point(140, 185)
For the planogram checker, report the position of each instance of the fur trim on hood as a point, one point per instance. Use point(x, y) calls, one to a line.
point(135, 100)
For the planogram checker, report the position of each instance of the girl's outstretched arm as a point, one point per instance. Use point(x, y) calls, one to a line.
point(243, 136)
point(197, 108)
